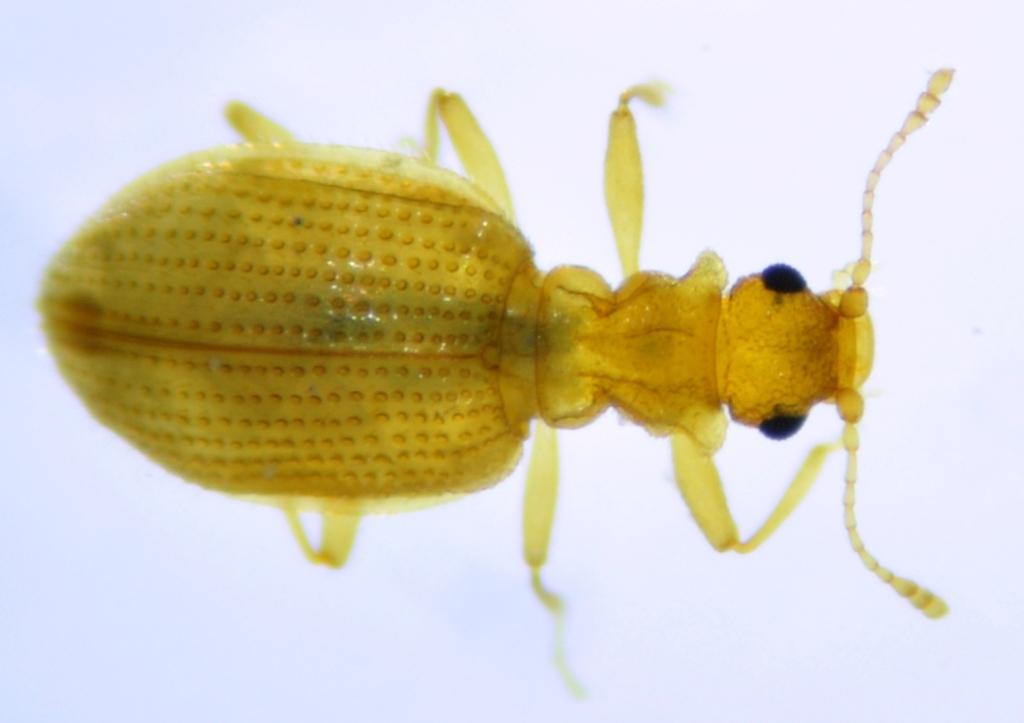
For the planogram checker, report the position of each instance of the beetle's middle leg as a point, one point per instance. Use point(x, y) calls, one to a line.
point(475, 151)
point(623, 175)
point(481, 163)
point(538, 517)
point(337, 534)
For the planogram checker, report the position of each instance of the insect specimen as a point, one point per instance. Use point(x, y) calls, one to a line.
point(351, 331)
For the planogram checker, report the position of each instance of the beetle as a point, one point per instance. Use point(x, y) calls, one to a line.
point(349, 331)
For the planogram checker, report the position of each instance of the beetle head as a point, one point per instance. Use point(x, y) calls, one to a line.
point(783, 348)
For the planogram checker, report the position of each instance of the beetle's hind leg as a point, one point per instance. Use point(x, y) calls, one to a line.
point(254, 126)
point(337, 534)
point(475, 151)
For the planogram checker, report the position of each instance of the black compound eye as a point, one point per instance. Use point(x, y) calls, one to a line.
point(783, 279)
point(781, 426)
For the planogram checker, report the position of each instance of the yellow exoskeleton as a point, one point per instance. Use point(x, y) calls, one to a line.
point(350, 331)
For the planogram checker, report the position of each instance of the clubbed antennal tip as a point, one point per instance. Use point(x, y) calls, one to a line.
point(921, 598)
point(927, 102)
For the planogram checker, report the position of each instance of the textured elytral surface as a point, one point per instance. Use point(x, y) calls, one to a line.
point(276, 326)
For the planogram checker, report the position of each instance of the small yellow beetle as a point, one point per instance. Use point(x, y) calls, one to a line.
point(351, 331)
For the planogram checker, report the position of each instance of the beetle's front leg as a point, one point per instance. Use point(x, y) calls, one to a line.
point(701, 487)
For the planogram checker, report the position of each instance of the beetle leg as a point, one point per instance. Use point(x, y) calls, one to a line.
point(254, 126)
point(475, 151)
point(701, 487)
point(336, 537)
point(624, 177)
point(538, 517)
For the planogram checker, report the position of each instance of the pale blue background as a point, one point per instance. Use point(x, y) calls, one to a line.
point(128, 595)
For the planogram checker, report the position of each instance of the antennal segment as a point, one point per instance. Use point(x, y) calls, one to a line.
point(927, 102)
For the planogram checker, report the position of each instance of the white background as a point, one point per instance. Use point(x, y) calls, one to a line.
point(126, 594)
